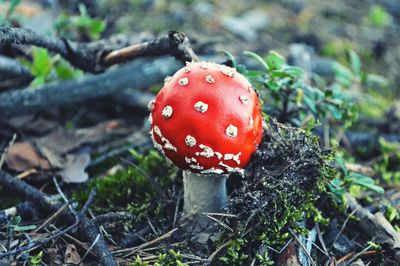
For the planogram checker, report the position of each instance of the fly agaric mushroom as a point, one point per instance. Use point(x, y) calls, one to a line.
point(207, 121)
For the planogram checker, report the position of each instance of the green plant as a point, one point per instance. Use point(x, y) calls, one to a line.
point(14, 226)
point(66, 25)
point(45, 67)
point(350, 182)
point(8, 11)
point(389, 157)
point(37, 259)
point(134, 187)
point(378, 17)
point(290, 99)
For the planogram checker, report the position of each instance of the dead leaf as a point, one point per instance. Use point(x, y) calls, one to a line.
point(74, 170)
point(22, 156)
point(31, 124)
point(71, 255)
point(63, 141)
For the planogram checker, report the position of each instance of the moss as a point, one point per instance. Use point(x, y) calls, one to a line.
point(134, 188)
point(287, 174)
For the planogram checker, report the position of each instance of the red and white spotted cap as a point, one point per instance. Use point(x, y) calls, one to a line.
point(206, 119)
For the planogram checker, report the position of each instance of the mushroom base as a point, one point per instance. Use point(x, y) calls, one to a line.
point(203, 193)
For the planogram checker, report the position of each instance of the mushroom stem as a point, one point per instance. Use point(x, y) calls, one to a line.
point(203, 193)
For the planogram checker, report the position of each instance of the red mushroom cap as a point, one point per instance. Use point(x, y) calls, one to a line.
point(206, 119)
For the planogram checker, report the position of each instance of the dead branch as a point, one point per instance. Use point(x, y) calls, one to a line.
point(95, 57)
point(86, 227)
point(138, 74)
point(377, 226)
point(11, 67)
point(24, 209)
point(112, 217)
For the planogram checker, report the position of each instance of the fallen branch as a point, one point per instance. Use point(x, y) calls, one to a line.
point(24, 209)
point(138, 74)
point(85, 227)
point(377, 226)
point(96, 56)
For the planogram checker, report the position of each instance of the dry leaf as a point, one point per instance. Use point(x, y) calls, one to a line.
point(62, 141)
point(71, 255)
point(22, 156)
point(74, 170)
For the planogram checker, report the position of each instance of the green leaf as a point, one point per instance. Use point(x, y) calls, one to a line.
point(13, 5)
point(256, 57)
point(42, 62)
point(336, 189)
point(310, 103)
point(342, 164)
point(366, 182)
point(253, 74)
point(275, 60)
point(230, 57)
point(19, 228)
point(355, 63)
point(65, 71)
point(40, 80)
point(379, 17)
point(96, 27)
point(293, 71)
point(373, 79)
point(343, 74)
point(272, 85)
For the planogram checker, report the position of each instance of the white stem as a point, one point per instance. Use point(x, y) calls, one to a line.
point(203, 193)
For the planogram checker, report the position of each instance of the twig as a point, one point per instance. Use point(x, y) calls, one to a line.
point(51, 218)
point(212, 256)
point(3, 155)
point(86, 228)
point(321, 240)
point(112, 217)
point(220, 222)
point(96, 56)
point(376, 226)
point(23, 209)
point(359, 254)
point(175, 43)
point(303, 247)
point(342, 228)
point(89, 249)
point(144, 245)
point(177, 208)
point(89, 201)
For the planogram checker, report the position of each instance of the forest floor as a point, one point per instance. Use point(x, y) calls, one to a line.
point(81, 183)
